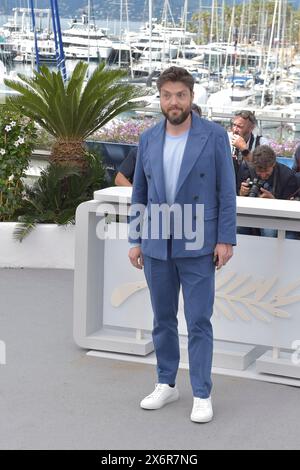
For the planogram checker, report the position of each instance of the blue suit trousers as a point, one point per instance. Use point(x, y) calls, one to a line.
point(197, 278)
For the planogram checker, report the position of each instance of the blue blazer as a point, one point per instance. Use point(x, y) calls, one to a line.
point(206, 177)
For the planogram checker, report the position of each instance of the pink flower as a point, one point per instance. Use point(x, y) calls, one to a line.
point(127, 132)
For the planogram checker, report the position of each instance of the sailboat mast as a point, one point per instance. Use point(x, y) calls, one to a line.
point(228, 45)
point(185, 12)
point(269, 54)
point(219, 57)
point(211, 37)
point(129, 40)
point(89, 20)
point(60, 56)
point(150, 36)
point(37, 58)
point(278, 38)
point(283, 58)
point(248, 39)
point(120, 35)
point(222, 21)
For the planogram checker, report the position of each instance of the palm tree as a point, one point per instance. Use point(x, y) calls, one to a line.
point(72, 111)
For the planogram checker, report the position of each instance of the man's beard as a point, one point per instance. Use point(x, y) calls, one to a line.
point(179, 119)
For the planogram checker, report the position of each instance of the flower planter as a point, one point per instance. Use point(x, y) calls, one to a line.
point(288, 161)
point(47, 246)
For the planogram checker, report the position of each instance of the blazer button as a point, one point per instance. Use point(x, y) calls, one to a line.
point(195, 217)
point(149, 177)
point(196, 198)
point(150, 199)
point(202, 174)
point(149, 217)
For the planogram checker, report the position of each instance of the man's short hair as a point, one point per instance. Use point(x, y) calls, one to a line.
point(263, 157)
point(246, 114)
point(176, 74)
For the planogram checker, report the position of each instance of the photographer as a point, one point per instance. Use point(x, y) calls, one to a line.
point(265, 177)
point(242, 139)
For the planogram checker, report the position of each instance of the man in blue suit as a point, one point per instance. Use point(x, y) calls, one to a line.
point(184, 164)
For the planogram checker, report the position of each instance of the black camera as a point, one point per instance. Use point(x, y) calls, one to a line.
point(255, 186)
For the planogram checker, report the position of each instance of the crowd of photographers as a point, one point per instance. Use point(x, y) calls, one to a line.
point(258, 174)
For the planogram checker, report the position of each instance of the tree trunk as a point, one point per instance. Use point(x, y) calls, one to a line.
point(70, 153)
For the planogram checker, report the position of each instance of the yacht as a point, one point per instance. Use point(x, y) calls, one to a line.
point(86, 35)
point(231, 98)
point(46, 49)
point(156, 46)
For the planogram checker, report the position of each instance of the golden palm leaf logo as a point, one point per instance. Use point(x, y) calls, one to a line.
point(237, 296)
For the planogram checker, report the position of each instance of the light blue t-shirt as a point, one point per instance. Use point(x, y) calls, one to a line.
point(172, 158)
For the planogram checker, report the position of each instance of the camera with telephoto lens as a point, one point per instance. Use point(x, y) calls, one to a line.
point(255, 186)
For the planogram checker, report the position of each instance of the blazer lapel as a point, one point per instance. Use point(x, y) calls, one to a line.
point(156, 151)
point(193, 149)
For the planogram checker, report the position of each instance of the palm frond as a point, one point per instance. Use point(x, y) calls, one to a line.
point(24, 228)
point(77, 78)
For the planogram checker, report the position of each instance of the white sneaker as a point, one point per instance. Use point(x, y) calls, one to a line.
point(202, 411)
point(161, 395)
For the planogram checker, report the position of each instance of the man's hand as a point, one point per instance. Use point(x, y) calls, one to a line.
point(223, 252)
point(266, 194)
point(136, 257)
point(244, 189)
point(238, 142)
